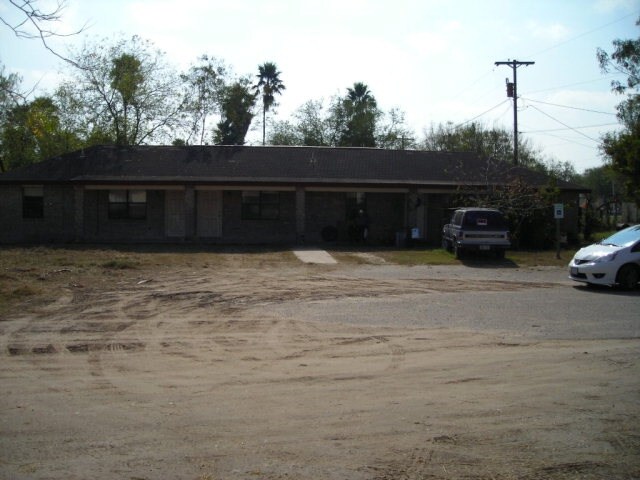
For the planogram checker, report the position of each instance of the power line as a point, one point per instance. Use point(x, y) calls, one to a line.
point(599, 79)
point(506, 110)
point(483, 113)
point(568, 140)
point(583, 34)
point(562, 123)
point(463, 90)
point(569, 128)
point(567, 106)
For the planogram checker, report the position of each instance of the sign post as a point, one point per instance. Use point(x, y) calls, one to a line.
point(558, 214)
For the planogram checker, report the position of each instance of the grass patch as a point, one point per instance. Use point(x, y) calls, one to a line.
point(439, 256)
point(25, 291)
point(121, 264)
point(435, 256)
point(540, 258)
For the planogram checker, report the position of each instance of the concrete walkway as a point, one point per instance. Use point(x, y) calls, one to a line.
point(315, 256)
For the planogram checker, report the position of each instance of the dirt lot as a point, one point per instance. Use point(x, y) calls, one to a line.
point(119, 365)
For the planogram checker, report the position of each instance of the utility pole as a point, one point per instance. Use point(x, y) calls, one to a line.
point(512, 91)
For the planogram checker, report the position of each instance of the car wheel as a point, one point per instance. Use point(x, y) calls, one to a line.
point(628, 277)
point(458, 251)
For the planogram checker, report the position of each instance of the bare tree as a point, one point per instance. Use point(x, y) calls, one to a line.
point(205, 85)
point(34, 22)
point(125, 92)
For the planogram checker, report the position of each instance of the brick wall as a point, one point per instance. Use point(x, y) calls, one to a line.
point(56, 224)
point(322, 209)
point(98, 227)
point(235, 229)
point(10, 214)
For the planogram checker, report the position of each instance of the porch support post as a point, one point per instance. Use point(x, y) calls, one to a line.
point(190, 212)
point(412, 211)
point(78, 213)
point(300, 214)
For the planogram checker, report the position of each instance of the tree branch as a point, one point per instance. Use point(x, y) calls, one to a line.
point(40, 21)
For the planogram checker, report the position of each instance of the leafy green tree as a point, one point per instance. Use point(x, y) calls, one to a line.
point(126, 79)
point(309, 126)
point(603, 181)
point(486, 142)
point(34, 133)
point(204, 83)
point(606, 185)
point(622, 149)
point(10, 93)
point(269, 85)
point(561, 171)
point(472, 137)
point(238, 102)
point(285, 133)
point(313, 124)
point(125, 91)
point(393, 132)
point(10, 98)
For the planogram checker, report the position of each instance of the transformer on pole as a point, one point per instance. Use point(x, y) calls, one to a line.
point(512, 91)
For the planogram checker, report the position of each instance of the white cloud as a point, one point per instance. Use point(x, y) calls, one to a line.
point(438, 41)
point(428, 43)
point(553, 32)
point(607, 6)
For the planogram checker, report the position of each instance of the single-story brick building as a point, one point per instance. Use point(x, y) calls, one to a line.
point(240, 194)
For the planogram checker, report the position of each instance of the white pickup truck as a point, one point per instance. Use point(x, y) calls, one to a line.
point(483, 229)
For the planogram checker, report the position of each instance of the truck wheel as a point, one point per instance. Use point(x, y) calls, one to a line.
point(499, 254)
point(458, 251)
point(628, 277)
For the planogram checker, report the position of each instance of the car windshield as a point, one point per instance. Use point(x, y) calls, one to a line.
point(623, 238)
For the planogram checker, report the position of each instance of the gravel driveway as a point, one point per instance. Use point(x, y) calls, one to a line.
point(545, 304)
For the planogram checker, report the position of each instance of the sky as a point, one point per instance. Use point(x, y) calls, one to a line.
point(432, 59)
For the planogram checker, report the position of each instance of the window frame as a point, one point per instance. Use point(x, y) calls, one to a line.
point(260, 205)
point(127, 208)
point(33, 204)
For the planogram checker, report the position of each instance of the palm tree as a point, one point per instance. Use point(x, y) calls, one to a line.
point(269, 85)
point(361, 111)
point(360, 96)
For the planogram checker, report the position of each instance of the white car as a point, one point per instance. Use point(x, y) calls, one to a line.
point(613, 261)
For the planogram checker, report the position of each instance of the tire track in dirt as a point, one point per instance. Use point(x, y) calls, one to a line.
point(108, 326)
point(107, 313)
